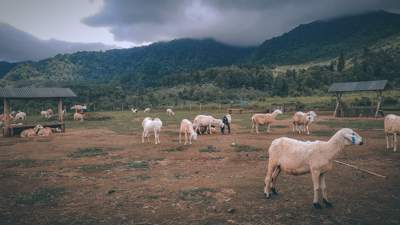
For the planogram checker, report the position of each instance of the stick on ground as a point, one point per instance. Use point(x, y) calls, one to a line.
point(357, 168)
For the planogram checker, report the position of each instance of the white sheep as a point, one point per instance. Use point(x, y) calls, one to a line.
point(147, 110)
point(206, 121)
point(134, 110)
point(170, 112)
point(298, 157)
point(301, 121)
point(392, 127)
point(79, 108)
point(44, 131)
point(79, 116)
point(31, 132)
point(47, 114)
point(20, 116)
point(149, 125)
point(187, 129)
point(264, 119)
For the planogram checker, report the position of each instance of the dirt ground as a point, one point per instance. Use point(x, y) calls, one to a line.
point(99, 176)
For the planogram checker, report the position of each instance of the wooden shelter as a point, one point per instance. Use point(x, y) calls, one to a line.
point(33, 93)
point(339, 88)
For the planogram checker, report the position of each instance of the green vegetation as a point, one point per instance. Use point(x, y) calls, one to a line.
point(96, 168)
point(354, 124)
point(209, 148)
point(176, 149)
point(246, 148)
point(197, 195)
point(88, 152)
point(41, 196)
point(26, 163)
point(139, 165)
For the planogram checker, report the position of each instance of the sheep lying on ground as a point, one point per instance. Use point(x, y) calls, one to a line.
point(299, 157)
point(43, 131)
point(187, 129)
point(31, 132)
point(392, 127)
point(206, 121)
point(134, 110)
point(149, 125)
point(302, 121)
point(264, 119)
point(227, 120)
point(79, 116)
point(146, 110)
point(170, 112)
point(20, 116)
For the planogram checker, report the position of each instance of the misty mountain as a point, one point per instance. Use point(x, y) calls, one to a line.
point(17, 45)
point(326, 39)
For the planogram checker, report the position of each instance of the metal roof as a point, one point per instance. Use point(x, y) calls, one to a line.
point(36, 93)
point(358, 86)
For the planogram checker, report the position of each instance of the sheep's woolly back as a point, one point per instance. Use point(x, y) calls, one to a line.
point(392, 124)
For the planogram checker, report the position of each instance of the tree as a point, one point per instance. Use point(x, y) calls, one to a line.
point(341, 62)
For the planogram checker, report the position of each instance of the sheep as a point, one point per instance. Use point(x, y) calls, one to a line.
point(134, 110)
point(146, 110)
point(44, 131)
point(31, 132)
point(79, 108)
point(170, 112)
point(79, 116)
point(261, 119)
point(20, 116)
point(47, 114)
point(298, 157)
point(207, 121)
point(227, 119)
point(148, 125)
point(392, 127)
point(187, 129)
point(302, 121)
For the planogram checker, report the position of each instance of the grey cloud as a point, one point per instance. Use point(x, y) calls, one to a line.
point(238, 22)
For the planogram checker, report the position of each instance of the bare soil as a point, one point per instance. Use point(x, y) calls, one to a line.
point(98, 176)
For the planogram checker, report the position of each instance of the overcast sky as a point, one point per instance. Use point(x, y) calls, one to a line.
point(128, 23)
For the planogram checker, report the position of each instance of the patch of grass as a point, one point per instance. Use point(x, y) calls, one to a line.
point(138, 164)
point(26, 163)
point(216, 158)
point(197, 195)
point(97, 117)
point(176, 149)
point(152, 197)
point(209, 148)
point(142, 177)
point(246, 148)
point(88, 152)
point(353, 123)
point(41, 196)
point(95, 168)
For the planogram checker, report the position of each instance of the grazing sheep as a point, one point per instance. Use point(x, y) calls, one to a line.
point(134, 110)
point(206, 121)
point(47, 114)
point(227, 119)
point(302, 121)
point(31, 132)
point(20, 116)
point(262, 119)
point(298, 157)
point(79, 116)
point(187, 129)
point(170, 112)
point(148, 125)
point(79, 108)
point(146, 110)
point(392, 127)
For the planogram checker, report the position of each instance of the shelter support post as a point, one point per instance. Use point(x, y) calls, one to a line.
point(61, 114)
point(378, 106)
point(338, 104)
point(6, 116)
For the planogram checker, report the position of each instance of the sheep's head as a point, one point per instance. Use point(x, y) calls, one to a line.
point(351, 137)
point(37, 128)
point(194, 135)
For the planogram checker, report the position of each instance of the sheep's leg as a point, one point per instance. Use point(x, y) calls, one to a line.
point(275, 175)
point(324, 194)
point(180, 134)
point(308, 131)
point(268, 127)
point(267, 181)
point(395, 141)
point(387, 141)
point(315, 175)
point(143, 137)
point(252, 126)
point(186, 137)
point(256, 128)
